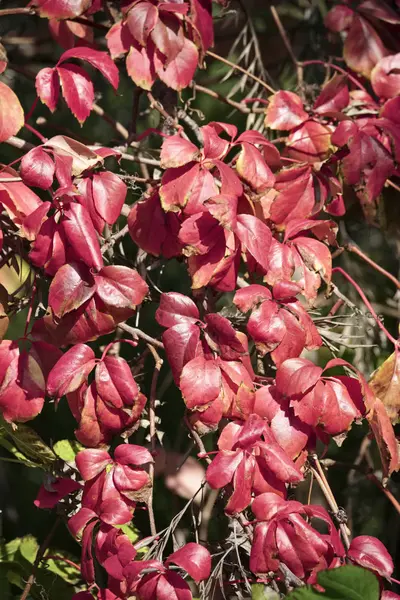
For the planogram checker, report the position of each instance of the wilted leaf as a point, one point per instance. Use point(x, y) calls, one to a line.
point(385, 383)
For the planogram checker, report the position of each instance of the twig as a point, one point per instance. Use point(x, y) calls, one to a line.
point(119, 128)
point(153, 433)
point(393, 185)
point(40, 553)
point(326, 490)
point(191, 123)
point(61, 559)
point(19, 143)
point(288, 45)
point(241, 69)
point(5, 12)
point(138, 333)
point(198, 441)
point(306, 63)
point(243, 109)
point(89, 23)
point(158, 106)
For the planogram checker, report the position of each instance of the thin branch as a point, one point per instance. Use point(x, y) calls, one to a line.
point(306, 63)
point(243, 109)
point(191, 123)
point(5, 12)
point(153, 433)
point(367, 304)
point(288, 45)
point(199, 441)
point(138, 333)
point(393, 185)
point(89, 23)
point(19, 143)
point(241, 69)
point(326, 490)
point(119, 128)
point(159, 107)
point(40, 553)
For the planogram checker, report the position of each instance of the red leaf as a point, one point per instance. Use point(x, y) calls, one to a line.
point(385, 77)
point(255, 237)
point(370, 553)
point(182, 344)
point(115, 382)
point(315, 255)
point(176, 152)
point(71, 287)
point(363, 47)
point(141, 21)
point(120, 287)
point(77, 89)
point(70, 371)
point(61, 9)
point(140, 68)
point(295, 200)
point(194, 559)
point(109, 193)
point(175, 309)
point(200, 382)
point(179, 72)
point(296, 375)
point(339, 18)
point(82, 236)
point(99, 60)
point(177, 186)
point(285, 111)
point(48, 87)
point(37, 169)
point(334, 96)
point(59, 489)
point(252, 167)
point(248, 297)
point(310, 142)
point(11, 113)
point(92, 462)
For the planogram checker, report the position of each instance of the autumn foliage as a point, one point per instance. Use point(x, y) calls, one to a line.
point(252, 216)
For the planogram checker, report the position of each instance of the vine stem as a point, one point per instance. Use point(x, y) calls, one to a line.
point(244, 109)
point(356, 250)
point(153, 432)
point(61, 559)
point(367, 304)
point(241, 69)
point(40, 553)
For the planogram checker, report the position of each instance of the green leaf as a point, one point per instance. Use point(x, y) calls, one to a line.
point(67, 449)
point(260, 591)
point(66, 571)
point(131, 531)
point(28, 548)
point(344, 583)
point(26, 445)
point(9, 550)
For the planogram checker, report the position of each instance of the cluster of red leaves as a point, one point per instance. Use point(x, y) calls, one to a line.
point(232, 204)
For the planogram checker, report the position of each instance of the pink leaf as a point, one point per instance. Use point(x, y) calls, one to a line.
point(92, 462)
point(140, 68)
point(141, 21)
point(11, 113)
point(385, 77)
